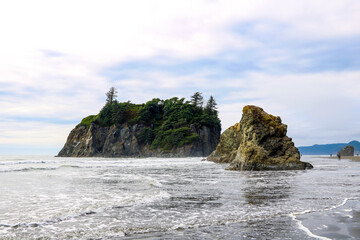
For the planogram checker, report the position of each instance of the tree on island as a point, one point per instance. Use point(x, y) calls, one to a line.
point(166, 123)
point(111, 95)
point(197, 99)
point(211, 106)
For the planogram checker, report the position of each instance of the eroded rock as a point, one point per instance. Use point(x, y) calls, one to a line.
point(347, 151)
point(258, 142)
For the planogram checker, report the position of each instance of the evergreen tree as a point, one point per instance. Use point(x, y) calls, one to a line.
point(111, 95)
point(197, 99)
point(211, 106)
point(167, 122)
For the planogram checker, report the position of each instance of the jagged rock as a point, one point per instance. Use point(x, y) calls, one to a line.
point(347, 151)
point(122, 141)
point(258, 142)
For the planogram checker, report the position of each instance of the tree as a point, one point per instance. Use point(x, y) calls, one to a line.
point(211, 105)
point(111, 95)
point(197, 99)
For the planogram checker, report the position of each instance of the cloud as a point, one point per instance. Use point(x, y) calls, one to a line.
point(33, 133)
point(60, 88)
point(294, 58)
point(321, 106)
point(110, 31)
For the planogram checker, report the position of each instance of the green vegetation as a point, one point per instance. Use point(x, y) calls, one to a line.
point(88, 120)
point(167, 122)
point(174, 138)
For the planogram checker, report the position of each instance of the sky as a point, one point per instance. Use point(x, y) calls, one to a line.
point(299, 60)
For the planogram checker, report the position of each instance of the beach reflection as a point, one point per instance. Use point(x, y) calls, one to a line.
point(264, 188)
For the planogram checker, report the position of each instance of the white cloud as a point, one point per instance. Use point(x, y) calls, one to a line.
point(60, 88)
point(53, 54)
point(106, 31)
point(321, 106)
point(33, 133)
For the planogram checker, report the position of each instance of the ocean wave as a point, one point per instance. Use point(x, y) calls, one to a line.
point(29, 169)
point(47, 222)
point(117, 178)
point(24, 162)
point(130, 201)
point(70, 166)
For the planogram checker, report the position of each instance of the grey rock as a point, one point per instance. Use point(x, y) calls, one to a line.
point(122, 141)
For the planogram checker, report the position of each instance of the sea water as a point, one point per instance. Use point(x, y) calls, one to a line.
point(181, 198)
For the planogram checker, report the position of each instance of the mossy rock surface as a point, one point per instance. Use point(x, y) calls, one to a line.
point(258, 142)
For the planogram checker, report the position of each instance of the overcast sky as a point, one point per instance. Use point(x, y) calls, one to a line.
point(296, 59)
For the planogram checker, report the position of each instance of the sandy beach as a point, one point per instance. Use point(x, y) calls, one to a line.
point(355, 158)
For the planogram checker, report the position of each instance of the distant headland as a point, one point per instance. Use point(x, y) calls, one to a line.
point(327, 149)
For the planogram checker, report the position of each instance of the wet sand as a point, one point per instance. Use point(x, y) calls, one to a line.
point(338, 223)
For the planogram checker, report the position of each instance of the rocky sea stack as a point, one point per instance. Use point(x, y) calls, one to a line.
point(159, 128)
point(258, 142)
point(347, 151)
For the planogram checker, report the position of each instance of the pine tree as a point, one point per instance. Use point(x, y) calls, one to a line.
point(111, 95)
point(211, 106)
point(197, 99)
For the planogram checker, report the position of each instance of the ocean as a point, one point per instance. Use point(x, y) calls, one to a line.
point(43, 197)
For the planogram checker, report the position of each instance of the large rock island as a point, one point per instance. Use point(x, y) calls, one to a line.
point(159, 128)
point(258, 142)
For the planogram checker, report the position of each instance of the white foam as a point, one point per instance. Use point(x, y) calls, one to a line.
point(337, 206)
point(305, 229)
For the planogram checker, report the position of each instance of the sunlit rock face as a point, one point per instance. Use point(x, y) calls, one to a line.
point(258, 142)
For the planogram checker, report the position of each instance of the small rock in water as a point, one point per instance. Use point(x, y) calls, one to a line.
point(347, 151)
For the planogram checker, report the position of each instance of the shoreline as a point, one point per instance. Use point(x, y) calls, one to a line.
point(355, 158)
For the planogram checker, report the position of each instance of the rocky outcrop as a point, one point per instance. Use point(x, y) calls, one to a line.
point(123, 141)
point(347, 151)
point(258, 142)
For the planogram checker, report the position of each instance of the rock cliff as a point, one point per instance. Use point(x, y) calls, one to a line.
point(258, 142)
point(347, 151)
point(158, 128)
point(123, 141)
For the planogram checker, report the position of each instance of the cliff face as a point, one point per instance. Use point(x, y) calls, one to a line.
point(123, 141)
point(258, 142)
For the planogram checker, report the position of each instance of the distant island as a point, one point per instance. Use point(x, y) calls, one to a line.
point(327, 149)
point(159, 128)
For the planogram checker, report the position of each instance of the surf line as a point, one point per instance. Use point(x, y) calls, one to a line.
point(341, 204)
point(305, 229)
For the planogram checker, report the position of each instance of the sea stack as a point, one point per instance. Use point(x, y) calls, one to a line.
point(159, 128)
point(258, 142)
point(347, 151)
point(124, 140)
